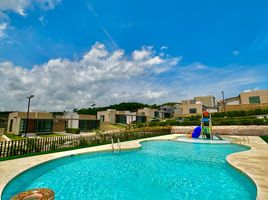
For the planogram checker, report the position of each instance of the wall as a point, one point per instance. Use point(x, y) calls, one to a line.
point(148, 112)
point(226, 130)
point(262, 93)
point(186, 107)
point(58, 125)
point(109, 115)
point(245, 107)
point(206, 100)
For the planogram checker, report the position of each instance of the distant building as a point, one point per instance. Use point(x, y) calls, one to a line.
point(45, 122)
point(149, 113)
point(39, 122)
point(80, 121)
point(256, 99)
point(122, 117)
point(198, 104)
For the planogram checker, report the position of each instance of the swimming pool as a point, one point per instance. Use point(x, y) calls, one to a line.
point(159, 170)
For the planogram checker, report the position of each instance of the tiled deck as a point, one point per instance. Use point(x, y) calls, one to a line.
point(253, 162)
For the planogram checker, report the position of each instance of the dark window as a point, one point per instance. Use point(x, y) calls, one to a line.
point(254, 99)
point(167, 115)
point(156, 114)
point(10, 125)
point(86, 125)
point(22, 125)
point(44, 125)
point(192, 102)
point(102, 118)
point(121, 119)
point(192, 110)
point(141, 119)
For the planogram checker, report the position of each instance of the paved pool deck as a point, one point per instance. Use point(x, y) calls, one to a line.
point(253, 162)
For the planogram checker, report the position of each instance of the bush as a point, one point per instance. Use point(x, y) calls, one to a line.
point(240, 113)
point(73, 130)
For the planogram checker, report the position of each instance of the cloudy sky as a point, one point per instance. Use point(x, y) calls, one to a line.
point(71, 54)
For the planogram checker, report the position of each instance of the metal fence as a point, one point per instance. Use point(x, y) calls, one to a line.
point(50, 144)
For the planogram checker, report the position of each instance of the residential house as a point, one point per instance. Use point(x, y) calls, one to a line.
point(38, 122)
point(247, 100)
point(123, 117)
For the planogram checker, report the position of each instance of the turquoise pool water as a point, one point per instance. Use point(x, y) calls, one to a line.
point(159, 170)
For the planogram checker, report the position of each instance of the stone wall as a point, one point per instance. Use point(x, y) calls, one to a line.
point(227, 130)
point(245, 107)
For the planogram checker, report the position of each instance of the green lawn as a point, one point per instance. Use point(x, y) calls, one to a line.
point(14, 137)
point(265, 138)
point(51, 135)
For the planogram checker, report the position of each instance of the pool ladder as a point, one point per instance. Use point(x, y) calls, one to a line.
point(118, 144)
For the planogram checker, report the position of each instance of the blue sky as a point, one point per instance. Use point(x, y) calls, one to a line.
point(203, 47)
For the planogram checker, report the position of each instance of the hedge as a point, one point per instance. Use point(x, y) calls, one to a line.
point(240, 113)
point(215, 122)
point(73, 130)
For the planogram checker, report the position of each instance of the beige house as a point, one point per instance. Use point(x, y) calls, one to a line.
point(45, 122)
point(257, 99)
point(149, 113)
point(39, 122)
point(254, 97)
point(80, 121)
point(123, 117)
point(198, 104)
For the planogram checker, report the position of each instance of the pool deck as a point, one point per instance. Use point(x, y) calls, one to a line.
point(253, 162)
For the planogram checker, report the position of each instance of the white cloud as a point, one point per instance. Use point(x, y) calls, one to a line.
point(17, 6)
point(100, 77)
point(106, 77)
point(236, 53)
point(3, 27)
point(163, 48)
point(20, 7)
point(42, 20)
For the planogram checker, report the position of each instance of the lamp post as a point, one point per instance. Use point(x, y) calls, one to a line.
point(27, 118)
point(223, 102)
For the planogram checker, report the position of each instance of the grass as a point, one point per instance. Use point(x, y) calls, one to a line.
point(14, 137)
point(51, 135)
point(265, 138)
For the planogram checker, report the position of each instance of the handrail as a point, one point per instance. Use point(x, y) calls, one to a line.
point(118, 144)
point(112, 143)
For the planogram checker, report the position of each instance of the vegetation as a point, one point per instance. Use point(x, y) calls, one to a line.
point(131, 106)
point(265, 138)
point(73, 130)
point(195, 121)
point(36, 146)
point(14, 137)
point(51, 135)
point(241, 113)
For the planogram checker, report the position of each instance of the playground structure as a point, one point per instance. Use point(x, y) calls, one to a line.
point(206, 126)
point(205, 129)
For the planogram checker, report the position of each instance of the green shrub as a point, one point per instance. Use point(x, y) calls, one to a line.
point(240, 113)
point(73, 130)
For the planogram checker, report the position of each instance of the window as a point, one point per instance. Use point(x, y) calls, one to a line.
point(22, 126)
point(102, 118)
point(156, 114)
point(192, 110)
point(121, 119)
point(254, 99)
point(86, 125)
point(141, 119)
point(193, 101)
point(11, 125)
point(44, 125)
